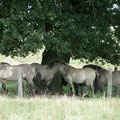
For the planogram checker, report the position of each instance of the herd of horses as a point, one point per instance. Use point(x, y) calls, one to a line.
point(92, 76)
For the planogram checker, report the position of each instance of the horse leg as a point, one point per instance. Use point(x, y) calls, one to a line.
point(72, 88)
point(92, 89)
point(32, 90)
point(46, 90)
point(23, 87)
point(116, 91)
point(103, 91)
point(5, 90)
point(28, 88)
point(87, 90)
point(82, 90)
point(76, 89)
point(101, 88)
point(31, 87)
point(48, 84)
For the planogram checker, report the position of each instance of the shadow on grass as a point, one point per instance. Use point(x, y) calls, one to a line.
point(13, 90)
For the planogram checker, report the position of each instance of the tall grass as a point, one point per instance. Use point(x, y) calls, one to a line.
point(59, 108)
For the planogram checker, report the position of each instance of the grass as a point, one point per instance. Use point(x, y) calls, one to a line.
point(59, 108)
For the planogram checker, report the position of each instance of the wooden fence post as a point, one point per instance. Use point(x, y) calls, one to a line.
point(20, 91)
point(109, 90)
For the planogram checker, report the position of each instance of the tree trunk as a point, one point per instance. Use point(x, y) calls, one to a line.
point(48, 57)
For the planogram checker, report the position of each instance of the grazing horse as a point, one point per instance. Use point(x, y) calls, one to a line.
point(85, 76)
point(46, 73)
point(11, 73)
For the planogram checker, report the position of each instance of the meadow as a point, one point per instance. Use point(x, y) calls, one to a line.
point(55, 107)
point(59, 108)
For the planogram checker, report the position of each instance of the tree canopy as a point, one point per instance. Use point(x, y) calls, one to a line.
point(87, 29)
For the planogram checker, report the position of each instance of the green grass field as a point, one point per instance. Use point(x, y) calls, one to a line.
point(59, 108)
point(55, 107)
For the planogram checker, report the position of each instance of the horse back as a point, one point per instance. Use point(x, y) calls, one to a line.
point(103, 73)
point(8, 72)
point(89, 71)
point(82, 75)
point(45, 70)
point(90, 75)
point(27, 70)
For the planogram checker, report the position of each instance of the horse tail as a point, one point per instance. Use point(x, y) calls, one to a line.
point(96, 87)
point(37, 77)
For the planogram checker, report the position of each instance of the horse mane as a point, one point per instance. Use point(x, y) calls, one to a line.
point(4, 63)
point(95, 67)
point(50, 65)
point(37, 77)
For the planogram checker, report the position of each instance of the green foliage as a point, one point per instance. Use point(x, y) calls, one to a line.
point(85, 29)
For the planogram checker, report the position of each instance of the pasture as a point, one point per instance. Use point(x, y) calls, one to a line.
point(55, 107)
point(59, 108)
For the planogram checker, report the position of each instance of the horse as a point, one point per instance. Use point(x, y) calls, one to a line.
point(5, 90)
point(11, 73)
point(72, 75)
point(46, 73)
point(116, 81)
point(103, 79)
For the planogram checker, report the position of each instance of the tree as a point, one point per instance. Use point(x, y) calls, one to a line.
point(80, 28)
